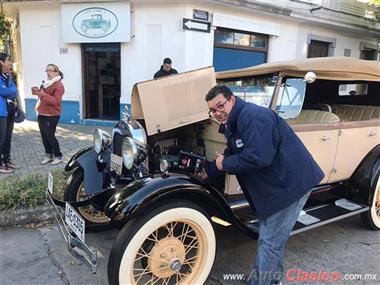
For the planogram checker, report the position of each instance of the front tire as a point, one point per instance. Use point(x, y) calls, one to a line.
point(173, 244)
point(75, 192)
point(372, 218)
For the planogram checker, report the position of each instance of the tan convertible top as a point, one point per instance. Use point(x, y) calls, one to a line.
point(330, 68)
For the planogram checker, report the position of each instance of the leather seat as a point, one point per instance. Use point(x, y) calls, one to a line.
point(348, 113)
point(314, 117)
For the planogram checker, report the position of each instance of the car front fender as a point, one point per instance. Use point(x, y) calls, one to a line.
point(96, 172)
point(140, 195)
point(73, 161)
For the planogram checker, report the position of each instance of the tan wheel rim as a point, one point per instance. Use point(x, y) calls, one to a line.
point(89, 212)
point(173, 254)
point(377, 201)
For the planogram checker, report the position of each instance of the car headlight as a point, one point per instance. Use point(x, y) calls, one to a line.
point(102, 140)
point(133, 152)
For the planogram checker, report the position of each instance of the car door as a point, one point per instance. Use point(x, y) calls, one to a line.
point(318, 130)
point(359, 134)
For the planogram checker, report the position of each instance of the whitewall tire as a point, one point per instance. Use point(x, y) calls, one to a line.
point(174, 244)
point(372, 217)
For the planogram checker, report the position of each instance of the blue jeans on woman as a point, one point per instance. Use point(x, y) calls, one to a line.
point(3, 132)
point(274, 232)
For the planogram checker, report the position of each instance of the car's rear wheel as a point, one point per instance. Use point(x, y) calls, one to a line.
point(173, 244)
point(75, 192)
point(372, 217)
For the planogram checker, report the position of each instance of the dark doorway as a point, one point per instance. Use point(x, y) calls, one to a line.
point(101, 67)
point(318, 49)
point(368, 53)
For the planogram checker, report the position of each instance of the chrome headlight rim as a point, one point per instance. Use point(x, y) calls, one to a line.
point(129, 152)
point(102, 140)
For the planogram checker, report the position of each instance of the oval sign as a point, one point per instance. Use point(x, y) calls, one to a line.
point(95, 22)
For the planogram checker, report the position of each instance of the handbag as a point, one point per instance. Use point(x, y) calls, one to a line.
point(18, 114)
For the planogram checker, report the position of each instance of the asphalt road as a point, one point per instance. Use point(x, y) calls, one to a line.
point(39, 256)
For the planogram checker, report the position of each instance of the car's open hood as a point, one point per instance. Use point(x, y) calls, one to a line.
point(173, 101)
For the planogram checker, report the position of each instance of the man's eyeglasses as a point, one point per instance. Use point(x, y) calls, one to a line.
point(218, 108)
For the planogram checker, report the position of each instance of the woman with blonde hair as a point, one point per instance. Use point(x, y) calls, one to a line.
point(49, 111)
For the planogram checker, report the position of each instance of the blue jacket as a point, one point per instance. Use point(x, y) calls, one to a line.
point(8, 90)
point(273, 167)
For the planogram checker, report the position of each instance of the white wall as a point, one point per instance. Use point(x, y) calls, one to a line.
point(41, 40)
point(342, 41)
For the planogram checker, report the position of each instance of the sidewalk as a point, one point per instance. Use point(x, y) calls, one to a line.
point(27, 148)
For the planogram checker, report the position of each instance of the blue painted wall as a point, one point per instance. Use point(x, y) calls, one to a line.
point(70, 113)
point(227, 59)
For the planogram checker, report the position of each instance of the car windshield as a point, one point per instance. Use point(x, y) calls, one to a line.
point(258, 90)
point(291, 97)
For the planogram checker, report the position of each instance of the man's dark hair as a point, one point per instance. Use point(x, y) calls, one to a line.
point(167, 61)
point(219, 89)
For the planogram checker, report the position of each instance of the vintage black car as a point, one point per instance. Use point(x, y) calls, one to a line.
point(169, 212)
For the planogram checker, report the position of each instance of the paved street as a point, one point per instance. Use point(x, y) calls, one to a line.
point(39, 256)
point(27, 148)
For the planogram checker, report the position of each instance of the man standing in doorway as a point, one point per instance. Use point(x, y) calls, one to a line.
point(274, 169)
point(166, 69)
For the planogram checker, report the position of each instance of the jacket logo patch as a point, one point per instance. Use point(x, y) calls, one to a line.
point(239, 143)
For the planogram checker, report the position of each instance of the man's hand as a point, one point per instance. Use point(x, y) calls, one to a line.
point(219, 161)
point(202, 174)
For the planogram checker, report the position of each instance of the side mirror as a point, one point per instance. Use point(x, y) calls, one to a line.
point(310, 77)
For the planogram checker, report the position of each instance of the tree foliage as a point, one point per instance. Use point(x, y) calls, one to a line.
point(374, 10)
point(5, 30)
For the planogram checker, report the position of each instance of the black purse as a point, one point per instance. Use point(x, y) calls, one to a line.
point(15, 110)
point(18, 114)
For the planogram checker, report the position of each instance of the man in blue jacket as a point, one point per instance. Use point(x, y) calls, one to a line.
point(274, 169)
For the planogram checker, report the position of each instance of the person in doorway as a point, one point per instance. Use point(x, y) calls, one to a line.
point(8, 91)
point(274, 169)
point(49, 111)
point(166, 69)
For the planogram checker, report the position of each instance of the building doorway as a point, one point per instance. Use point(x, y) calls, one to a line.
point(318, 49)
point(368, 54)
point(101, 65)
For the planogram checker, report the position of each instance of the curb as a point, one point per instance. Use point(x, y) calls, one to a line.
point(13, 217)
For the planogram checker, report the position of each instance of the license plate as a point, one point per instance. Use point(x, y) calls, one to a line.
point(116, 163)
point(75, 222)
point(50, 183)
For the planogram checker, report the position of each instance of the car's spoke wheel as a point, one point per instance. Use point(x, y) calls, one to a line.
point(88, 212)
point(375, 209)
point(174, 246)
point(372, 217)
point(75, 191)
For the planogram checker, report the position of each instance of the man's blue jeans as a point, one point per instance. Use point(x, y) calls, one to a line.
point(274, 231)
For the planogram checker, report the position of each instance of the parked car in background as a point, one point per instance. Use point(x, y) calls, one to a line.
point(333, 105)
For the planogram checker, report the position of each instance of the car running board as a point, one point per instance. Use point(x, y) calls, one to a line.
point(321, 215)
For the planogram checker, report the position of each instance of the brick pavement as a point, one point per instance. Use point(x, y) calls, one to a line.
point(27, 148)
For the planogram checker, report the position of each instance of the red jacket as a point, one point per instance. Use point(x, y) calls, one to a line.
point(50, 103)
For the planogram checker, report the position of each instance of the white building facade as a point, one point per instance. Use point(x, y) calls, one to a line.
point(104, 48)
